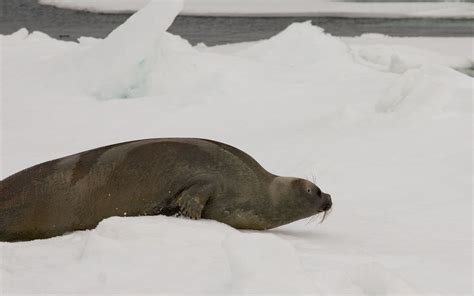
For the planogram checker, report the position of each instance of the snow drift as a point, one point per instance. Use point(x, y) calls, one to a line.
point(391, 143)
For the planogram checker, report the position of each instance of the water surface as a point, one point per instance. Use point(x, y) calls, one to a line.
point(70, 25)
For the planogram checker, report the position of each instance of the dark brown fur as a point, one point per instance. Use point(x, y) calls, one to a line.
point(194, 177)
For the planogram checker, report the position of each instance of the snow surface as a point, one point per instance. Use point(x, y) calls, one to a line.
point(388, 53)
point(392, 143)
point(455, 52)
point(284, 7)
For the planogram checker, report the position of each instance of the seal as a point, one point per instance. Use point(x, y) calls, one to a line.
point(197, 178)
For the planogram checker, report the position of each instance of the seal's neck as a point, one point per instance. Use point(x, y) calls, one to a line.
point(279, 188)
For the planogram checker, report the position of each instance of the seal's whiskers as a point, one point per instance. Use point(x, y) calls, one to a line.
point(325, 214)
point(311, 219)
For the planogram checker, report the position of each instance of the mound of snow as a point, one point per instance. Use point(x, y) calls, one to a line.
point(307, 44)
point(429, 89)
point(124, 74)
point(201, 257)
point(104, 261)
point(381, 52)
point(398, 54)
point(393, 145)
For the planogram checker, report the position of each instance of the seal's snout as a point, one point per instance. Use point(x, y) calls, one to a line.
point(327, 203)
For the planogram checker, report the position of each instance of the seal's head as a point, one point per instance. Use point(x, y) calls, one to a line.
point(296, 198)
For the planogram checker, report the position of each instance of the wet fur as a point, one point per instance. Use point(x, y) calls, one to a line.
point(194, 177)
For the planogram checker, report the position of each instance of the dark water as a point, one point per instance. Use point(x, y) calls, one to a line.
point(69, 24)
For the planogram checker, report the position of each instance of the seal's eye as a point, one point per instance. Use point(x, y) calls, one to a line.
point(319, 192)
point(308, 190)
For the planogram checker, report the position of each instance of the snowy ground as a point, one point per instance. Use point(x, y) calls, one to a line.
point(388, 53)
point(285, 7)
point(389, 135)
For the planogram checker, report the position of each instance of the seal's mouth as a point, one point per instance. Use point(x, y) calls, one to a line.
point(326, 208)
point(325, 214)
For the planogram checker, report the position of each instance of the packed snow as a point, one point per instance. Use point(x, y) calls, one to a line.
point(454, 52)
point(386, 52)
point(389, 138)
point(284, 7)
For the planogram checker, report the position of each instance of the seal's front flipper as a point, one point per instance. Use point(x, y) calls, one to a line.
point(191, 201)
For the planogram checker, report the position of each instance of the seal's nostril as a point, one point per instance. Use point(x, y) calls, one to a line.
point(327, 205)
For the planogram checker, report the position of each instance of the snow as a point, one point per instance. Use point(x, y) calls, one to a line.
point(409, 52)
point(387, 53)
point(123, 73)
point(284, 7)
point(389, 137)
